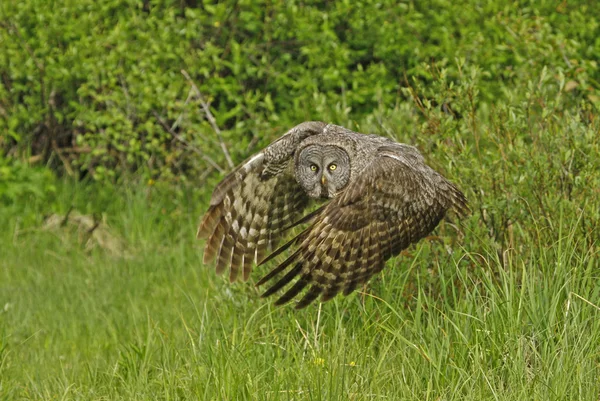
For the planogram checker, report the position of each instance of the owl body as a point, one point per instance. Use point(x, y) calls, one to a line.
point(380, 197)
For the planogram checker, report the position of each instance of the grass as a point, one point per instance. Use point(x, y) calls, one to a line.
point(113, 302)
point(153, 323)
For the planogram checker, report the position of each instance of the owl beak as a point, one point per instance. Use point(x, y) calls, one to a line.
point(323, 180)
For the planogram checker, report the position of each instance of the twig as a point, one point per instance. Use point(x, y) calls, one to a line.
point(66, 218)
point(187, 100)
point(209, 116)
point(91, 230)
point(186, 143)
point(34, 159)
point(252, 143)
point(307, 343)
point(63, 159)
point(76, 149)
point(585, 300)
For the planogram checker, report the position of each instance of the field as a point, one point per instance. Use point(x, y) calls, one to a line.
point(103, 294)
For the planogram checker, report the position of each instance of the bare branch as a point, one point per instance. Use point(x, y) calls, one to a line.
point(187, 100)
point(209, 116)
point(34, 159)
point(186, 143)
point(63, 159)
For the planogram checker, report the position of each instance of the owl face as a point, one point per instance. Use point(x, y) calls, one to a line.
point(322, 171)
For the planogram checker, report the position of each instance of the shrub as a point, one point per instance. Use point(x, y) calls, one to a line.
point(20, 183)
point(100, 83)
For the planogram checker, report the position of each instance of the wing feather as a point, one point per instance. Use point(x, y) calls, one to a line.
point(251, 207)
point(395, 201)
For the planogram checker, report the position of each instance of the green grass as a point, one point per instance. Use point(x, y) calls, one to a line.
point(501, 97)
point(153, 323)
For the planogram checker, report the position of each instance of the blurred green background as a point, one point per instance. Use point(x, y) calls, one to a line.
point(108, 157)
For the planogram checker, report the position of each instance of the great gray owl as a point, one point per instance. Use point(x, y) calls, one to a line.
point(382, 197)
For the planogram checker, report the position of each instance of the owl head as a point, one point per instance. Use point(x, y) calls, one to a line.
point(322, 170)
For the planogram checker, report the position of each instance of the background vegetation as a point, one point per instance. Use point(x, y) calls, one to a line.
point(118, 117)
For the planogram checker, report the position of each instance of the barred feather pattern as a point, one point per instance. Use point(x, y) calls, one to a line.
point(396, 201)
point(247, 216)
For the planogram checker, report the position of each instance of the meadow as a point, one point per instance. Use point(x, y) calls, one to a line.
point(103, 294)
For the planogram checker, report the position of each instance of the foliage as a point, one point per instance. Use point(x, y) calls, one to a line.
point(101, 82)
point(79, 323)
point(20, 183)
point(502, 97)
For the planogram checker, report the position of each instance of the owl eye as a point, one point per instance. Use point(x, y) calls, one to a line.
point(332, 166)
point(314, 167)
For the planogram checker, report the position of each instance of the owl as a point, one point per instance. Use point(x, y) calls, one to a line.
point(378, 196)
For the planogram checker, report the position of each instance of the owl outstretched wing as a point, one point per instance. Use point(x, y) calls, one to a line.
point(251, 206)
point(395, 201)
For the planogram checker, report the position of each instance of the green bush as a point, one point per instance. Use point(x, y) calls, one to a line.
point(504, 97)
point(20, 183)
point(501, 97)
point(101, 82)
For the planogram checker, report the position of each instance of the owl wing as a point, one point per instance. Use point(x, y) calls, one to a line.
point(252, 205)
point(395, 201)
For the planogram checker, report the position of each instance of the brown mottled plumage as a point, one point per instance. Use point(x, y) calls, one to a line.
point(383, 197)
